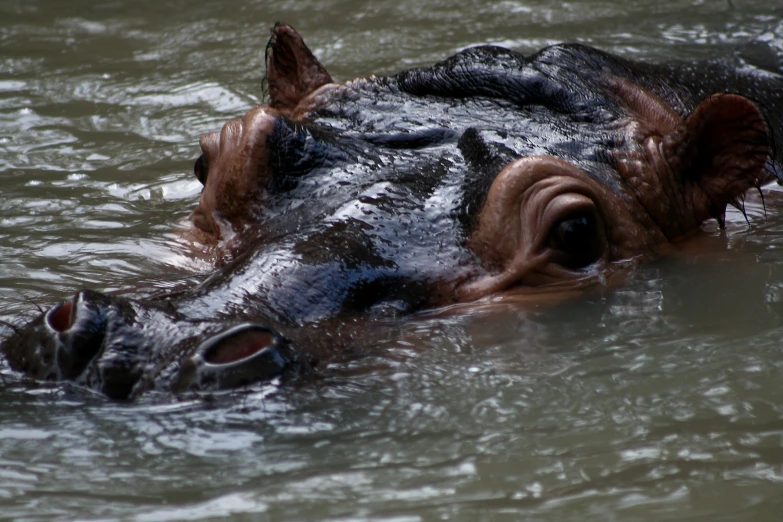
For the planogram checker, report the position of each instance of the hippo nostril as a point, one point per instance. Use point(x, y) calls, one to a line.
point(61, 317)
point(239, 356)
point(77, 328)
point(239, 346)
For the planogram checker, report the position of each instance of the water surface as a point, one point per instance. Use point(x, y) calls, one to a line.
point(657, 400)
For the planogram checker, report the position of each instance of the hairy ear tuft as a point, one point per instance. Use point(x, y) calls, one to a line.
point(720, 153)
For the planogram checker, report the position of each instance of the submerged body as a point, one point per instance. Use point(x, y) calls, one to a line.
point(489, 172)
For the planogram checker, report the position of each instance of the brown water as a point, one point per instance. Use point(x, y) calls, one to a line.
point(659, 400)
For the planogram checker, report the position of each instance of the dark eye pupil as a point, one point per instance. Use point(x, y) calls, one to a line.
point(201, 169)
point(577, 238)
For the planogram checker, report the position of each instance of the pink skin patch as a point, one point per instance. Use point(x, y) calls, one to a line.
point(240, 346)
point(61, 318)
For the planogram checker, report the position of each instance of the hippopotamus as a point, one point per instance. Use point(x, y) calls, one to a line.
point(335, 205)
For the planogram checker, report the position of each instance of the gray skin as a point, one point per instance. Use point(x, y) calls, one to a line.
point(489, 173)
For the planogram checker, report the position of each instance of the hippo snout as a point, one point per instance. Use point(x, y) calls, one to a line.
point(124, 348)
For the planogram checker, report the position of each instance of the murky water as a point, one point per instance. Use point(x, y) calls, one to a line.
point(658, 400)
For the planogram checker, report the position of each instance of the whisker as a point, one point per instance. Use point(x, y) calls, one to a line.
point(763, 203)
point(12, 326)
point(739, 204)
point(29, 300)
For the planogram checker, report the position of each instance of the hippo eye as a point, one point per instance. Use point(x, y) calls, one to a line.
point(577, 240)
point(201, 169)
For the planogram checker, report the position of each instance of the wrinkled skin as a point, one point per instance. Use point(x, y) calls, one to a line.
point(488, 173)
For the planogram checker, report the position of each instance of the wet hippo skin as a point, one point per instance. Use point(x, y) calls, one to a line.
point(487, 173)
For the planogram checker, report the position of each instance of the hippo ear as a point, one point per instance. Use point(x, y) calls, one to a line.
point(292, 70)
point(720, 154)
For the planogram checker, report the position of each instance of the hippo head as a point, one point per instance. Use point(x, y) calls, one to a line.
point(337, 202)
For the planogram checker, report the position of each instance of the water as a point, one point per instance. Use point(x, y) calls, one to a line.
point(660, 399)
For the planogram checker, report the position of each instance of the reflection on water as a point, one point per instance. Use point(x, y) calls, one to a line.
point(656, 400)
